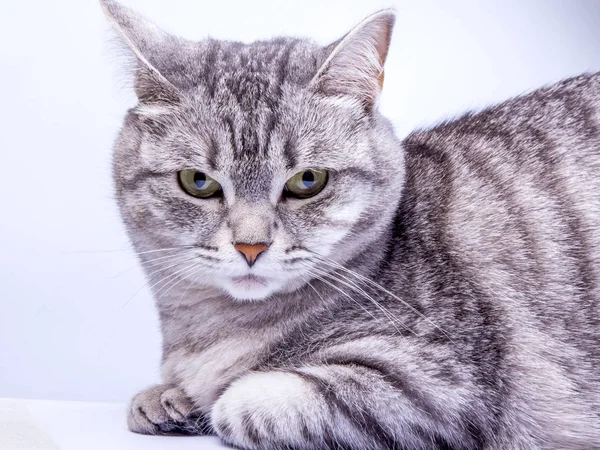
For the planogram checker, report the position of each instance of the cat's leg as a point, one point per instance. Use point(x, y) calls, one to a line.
point(336, 407)
point(164, 409)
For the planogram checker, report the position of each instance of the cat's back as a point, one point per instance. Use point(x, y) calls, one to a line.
point(501, 210)
point(534, 157)
point(558, 120)
point(513, 192)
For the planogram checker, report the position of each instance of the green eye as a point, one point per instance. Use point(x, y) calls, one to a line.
point(198, 184)
point(307, 183)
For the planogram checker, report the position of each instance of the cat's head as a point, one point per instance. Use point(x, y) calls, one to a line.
point(255, 163)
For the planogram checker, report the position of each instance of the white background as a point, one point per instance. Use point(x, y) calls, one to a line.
point(71, 323)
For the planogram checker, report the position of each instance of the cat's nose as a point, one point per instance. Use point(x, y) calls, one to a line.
point(251, 251)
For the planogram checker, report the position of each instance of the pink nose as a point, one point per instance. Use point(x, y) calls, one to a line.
point(251, 251)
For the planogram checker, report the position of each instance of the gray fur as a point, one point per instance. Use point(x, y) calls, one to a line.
point(440, 293)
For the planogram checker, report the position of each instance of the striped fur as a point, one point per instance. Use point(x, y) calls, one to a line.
point(439, 293)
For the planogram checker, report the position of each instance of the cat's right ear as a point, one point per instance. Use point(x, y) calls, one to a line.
point(144, 39)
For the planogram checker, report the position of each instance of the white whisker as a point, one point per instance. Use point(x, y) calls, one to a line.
point(387, 313)
point(183, 295)
point(330, 262)
point(183, 247)
point(133, 251)
point(180, 277)
point(317, 276)
point(150, 279)
point(151, 263)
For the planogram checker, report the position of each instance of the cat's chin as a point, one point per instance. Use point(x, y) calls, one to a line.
point(250, 288)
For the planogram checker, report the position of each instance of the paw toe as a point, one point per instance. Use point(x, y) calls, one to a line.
point(146, 413)
point(177, 406)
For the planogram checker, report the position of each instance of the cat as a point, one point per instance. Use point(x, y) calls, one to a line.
point(322, 285)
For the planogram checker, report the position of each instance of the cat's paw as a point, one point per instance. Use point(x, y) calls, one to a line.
point(164, 409)
point(269, 410)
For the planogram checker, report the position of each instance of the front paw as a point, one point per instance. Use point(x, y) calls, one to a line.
point(271, 410)
point(164, 409)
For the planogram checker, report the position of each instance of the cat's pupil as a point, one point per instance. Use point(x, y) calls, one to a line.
point(199, 180)
point(308, 179)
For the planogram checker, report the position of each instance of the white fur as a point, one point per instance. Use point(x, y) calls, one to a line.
point(202, 375)
point(279, 398)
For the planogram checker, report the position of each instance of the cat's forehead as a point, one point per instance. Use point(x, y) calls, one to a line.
point(267, 56)
point(247, 72)
point(242, 94)
point(243, 101)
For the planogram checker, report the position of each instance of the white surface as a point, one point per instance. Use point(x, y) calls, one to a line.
point(54, 425)
point(70, 329)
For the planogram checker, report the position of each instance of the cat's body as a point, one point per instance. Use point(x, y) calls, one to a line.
point(469, 313)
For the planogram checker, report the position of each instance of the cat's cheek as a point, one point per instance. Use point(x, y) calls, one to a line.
point(269, 410)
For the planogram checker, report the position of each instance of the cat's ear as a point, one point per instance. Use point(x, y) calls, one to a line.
point(354, 65)
point(144, 39)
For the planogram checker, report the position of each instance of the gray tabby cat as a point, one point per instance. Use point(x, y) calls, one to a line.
point(322, 285)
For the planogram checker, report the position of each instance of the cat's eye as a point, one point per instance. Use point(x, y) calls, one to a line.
point(198, 184)
point(306, 184)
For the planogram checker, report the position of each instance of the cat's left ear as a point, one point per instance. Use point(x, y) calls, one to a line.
point(354, 65)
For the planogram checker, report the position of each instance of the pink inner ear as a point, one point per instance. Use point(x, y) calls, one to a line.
point(383, 45)
point(382, 48)
point(380, 80)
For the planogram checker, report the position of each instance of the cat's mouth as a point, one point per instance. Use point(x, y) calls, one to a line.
point(250, 282)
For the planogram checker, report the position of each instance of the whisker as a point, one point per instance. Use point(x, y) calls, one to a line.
point(298, 259)
point(150, 279)
point(181, 299)
point(321, 297)
point(188, 288)
point(130, 250)
point(391, 317)
point(317, 276)
point(174, 274)
point(182, 247)
point(332, 263)
point(313, 288)
point(151, 263)
point(159, 258)
point(163, 260)
point(387, 313)
point(179, 260)
point(178, 279)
